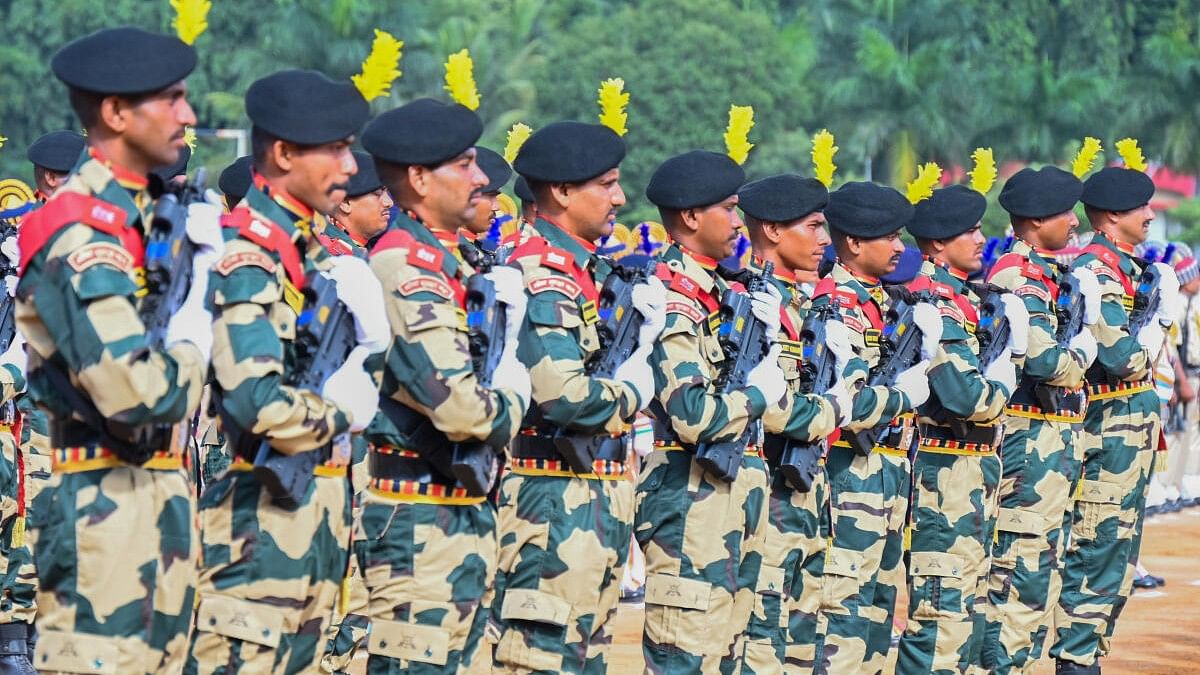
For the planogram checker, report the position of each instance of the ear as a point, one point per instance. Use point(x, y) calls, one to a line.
point(419, 180)
point(691, 220)
point(283, 154)
point(772, 231)
point(560, 194)
point(345, 207)
point(114, 113)
point(854, 246)
point(938, 246)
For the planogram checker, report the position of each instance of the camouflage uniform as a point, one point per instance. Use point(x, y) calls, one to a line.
point(215, 456)
point(954, 499)
point(116, 543)
point(1120, 435)
point(18, 580)
point(427, 548)
point(700, 534)
point(269, 576)
point(564, 537)
point(1040, 454)
point(868, 498)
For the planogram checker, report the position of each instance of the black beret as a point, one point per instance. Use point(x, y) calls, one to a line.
point(569, 152)
point(694, 179)
point(782, 198)
point(521, 188)
point(305, 107)
point(1048, 191)
point(57, 150)
point(867, 210)
point(424, 132)
point(366, 180)
point(948, 213)
point(494, 167)
point(235, 179)
point(179, 168)
point(123, 60)
point(1115, 188)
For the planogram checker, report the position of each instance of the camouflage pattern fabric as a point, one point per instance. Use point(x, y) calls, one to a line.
point(1041, 455)
point(18, 580)
point(1120, 434)
point(564, 538)
point(701, 535)
point(214, 455)
point(105, 532)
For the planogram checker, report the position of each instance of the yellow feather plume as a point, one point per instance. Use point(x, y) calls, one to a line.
point(1132, 154)
point(741, 121)
point(613, 99)
point(921, 187)
point(189, 137)
point(380, 68)
point(983, 175)
point(3, 140)
point(517, 135)
point(1086, 157)
point(823, 151)
point(460, 79)
point(191, 18)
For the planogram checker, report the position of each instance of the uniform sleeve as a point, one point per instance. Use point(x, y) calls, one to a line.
point(86, 302)
point(1118, 353)
point(961, 388)
point(804, 417)
point(551, 347)
point(1045, 361)
point(12, 382)
point(251, 322)
point(430, 360)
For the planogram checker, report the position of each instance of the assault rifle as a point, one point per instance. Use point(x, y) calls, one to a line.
point(798, 460)
point(1145, 299)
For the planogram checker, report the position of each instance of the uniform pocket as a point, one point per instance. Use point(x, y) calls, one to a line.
point(839, 583)
point(937, 585)
point(1098, 501)
point(677, 614)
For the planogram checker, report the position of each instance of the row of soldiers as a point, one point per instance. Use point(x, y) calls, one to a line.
point(1005, 495)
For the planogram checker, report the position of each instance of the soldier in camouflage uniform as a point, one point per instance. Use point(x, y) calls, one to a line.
point(270, 575)
point(565, 529)
point(53, 155)
point(1122, 427)
point(700, 532)
point(234, 181)
point(428, 544)
point(956, 471)
point(116, 541)
point(868, 493)
point(1040, 452)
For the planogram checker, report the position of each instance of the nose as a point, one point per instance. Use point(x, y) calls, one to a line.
point(478, 177)
point(1149, 213)
point(823, 239)
point(618, 195)
point(897, 245)
point(349, 164)
point(736, 220)
point(385, 200)
point(187, 116)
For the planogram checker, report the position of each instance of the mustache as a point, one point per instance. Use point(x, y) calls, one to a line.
point(344, 187)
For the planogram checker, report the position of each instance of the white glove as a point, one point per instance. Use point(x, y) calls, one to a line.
point(1086, 343)
point(929, 320)
point(10, 284)
point(767, 377)
point(1018, 323)
point(650, 300)
point(510, 290)
point(15, 355)
point(914, 382)
point(359, 290)
point(1152, 338)
point(351, 388)
point(204, 227)
point(1003, 371)
point(837, 341)
point(512, 375)
point(765, 305)
point(841, 397)
point(1089, 288)
point(1168, 293)
point(193, 322)
point(11, 251)
point(635, 371)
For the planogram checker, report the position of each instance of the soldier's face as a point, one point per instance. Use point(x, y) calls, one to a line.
point(367, 215)
point(803, 242)
point(484, 213)
point(454, 191)
point(1133, 226)
point(317, 175)
point(153, 126)
point(879, 256)
point(718, 228)
point(1056, 230)
point(593, 205)
point(964, 252)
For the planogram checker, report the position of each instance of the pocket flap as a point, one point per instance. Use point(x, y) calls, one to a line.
point(1021, 521)
point(411, 641)
point(76, 653)
point(529, 605)
point(842, 562)
point(1099, 492)
point(930, 564)
point(240, 619)
point(770, 580)
point(671, 591)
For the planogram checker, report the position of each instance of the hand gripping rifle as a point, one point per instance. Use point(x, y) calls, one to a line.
point(745, 341)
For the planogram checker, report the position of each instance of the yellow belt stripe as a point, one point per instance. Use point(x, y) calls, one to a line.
point(321, 471)
point(81, 465)
point(1049, 417)
point(1119, 393)
point(425, 499)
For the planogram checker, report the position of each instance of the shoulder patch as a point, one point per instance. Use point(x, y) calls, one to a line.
point(232, 261)
point(853, 324)
point(1030, 270)
point(950, 311)
point(425, 256)
point(564, 285)
point(101, 253)
point(686, 309)
point(1039, 293)
point(685, 286)
point(425, 284)
point(557, 259)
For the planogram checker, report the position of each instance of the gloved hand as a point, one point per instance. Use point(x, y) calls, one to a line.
point(1089, 288)
point(650, 300)
point(914, 382)
point(1152, 338)
point(1168, 293)
point(765, 305)
point(510, 290)
point(351, 388)
point(1003, 371)
point(842, 398)
point(11, 251)
point(767, 376)
point(1086, 343)
point(10, 284)
point(929, 320)
point(512, 375)
point(204, 227)
point(636, 372)
point(15, 355)
point(193, 322)
point(837, 341)
point(1018, 323)
point(359, 289)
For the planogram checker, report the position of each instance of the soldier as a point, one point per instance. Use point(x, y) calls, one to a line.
point(1186, 441)
point(868, 493)
point(565, 529)
point(498, 172)
point(53, 155)
point(956, 471)
point(234, 181)
point(1040, 451)
point(787, 228)
point(269, 574)
point(116, 541)
point(428, 547)
point(363, 215)
point(700, 532)
point(1122, 427)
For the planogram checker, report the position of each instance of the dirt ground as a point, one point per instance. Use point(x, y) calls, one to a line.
point(1158, 634)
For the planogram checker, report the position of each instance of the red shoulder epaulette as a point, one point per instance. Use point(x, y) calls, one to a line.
point(269, 236)
point(824, 287)
point(392, 239)
point(68, 208)
point(531, 246)
point(1112, 262)
point(1029, 270)
point(335, 246)
point(425, 256)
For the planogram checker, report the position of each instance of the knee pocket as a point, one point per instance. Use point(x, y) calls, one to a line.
point(681, 613)
point(242, 620)
point(64, 652)
point(1098, 501)
point(770, 595)
point(536, 610)
point(938, 588)
point(840, 580)
point(409, 642)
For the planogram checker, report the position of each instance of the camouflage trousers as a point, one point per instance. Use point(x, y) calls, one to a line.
point(1041, 460)
point(1119, 437)
point(116, 561)
point(952, 521)
point(782, 635)
point(351, 618)
point(701, 539)
point(18, 577)
point(269, 576)
point(428, 568)
point(564, 543)
point(863, 573)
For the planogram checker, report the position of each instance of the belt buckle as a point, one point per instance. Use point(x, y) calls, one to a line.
point(907, 429)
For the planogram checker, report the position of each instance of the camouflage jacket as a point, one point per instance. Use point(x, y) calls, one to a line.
point(255, 296)
point(79, 296)
point(1119, 358)
point(428, 366)
point(338, 241)
point(562, 279)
